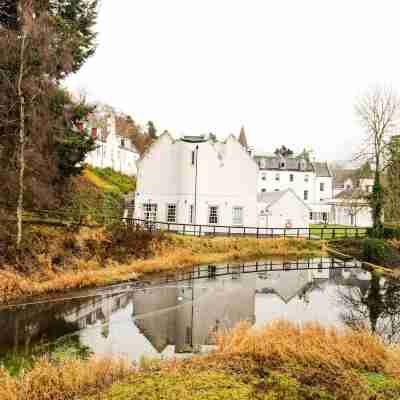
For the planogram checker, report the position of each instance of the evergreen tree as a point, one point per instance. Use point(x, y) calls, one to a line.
point(41, 42)
point(151, 130)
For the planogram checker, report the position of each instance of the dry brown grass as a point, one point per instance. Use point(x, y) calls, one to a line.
point(60, 260)
point(278, 361)
point(309, 346)
point(65, 380)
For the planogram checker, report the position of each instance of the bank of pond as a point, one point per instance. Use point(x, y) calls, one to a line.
point(186, 316)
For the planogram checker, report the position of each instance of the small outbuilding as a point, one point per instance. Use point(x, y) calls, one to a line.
point(282, 209)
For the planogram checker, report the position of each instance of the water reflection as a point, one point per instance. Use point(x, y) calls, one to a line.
point(372, 304)
point(182, 317)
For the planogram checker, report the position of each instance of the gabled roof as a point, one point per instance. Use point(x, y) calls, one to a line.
point(322, 169)
point(271, 198)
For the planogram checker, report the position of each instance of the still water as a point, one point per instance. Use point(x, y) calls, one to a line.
point(179, 317)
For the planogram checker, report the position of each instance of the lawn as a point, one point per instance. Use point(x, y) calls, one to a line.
point(336, 231)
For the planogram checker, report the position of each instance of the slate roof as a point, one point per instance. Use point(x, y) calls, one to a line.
point(282, 163)
point(321, 169)
point(271, 198)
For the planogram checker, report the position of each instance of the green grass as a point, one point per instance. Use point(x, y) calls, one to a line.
point(332, 231)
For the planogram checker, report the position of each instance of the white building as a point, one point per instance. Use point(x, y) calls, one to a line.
point(113, 150)
point(310, 181)
point(274, 206)
point(207, 183)
point(198, 181)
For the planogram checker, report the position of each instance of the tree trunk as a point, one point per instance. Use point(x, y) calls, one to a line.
point(21, 141)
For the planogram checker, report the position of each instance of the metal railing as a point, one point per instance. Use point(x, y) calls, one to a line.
point(311, 233)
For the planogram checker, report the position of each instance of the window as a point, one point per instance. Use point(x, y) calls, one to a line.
point(311, 216)
point(282, 165)
point(291, 177)
point(122, 142)
point(322, 186)
point(264, 177)
point(171, 212)
point(263, 190)
point(276, 190)
point(305, 178)
point(150, 211)
point(193, 157)
point(237, 215)
point(191, 214)
point(213, 215)
point(306, 195)
point(277, 177)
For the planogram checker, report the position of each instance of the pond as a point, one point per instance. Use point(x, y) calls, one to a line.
point(179, 316)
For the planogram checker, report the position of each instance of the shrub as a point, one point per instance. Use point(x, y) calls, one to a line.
point(374, 250)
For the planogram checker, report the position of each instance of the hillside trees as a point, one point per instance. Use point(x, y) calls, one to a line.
point(392, 206)
point(378, 111)
point(41, 42)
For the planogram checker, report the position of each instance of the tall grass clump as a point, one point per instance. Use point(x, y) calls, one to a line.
point(66, 380)
point(309, 346)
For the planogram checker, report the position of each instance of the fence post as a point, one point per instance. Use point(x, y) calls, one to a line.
point(229, 231)
point(356, 233)
point(257, 232)
point(284, 232)
point(214, 230)
point(199, 230)
point(345, 233)
point(322, 233)
point(298, 233)
point(184, 228)
point(244, 231)
point(333, 233)
point(309, 233)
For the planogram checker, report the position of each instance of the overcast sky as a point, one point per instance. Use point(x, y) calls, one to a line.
point(288, 70)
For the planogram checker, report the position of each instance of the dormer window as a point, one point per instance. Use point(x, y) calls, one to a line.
point(264, 177)
point(305, 178)
point(282, 164)
point(291, 177)
point(277, 177)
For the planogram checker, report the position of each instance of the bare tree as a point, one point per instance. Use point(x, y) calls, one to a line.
point(378, 111)
point(25, 16)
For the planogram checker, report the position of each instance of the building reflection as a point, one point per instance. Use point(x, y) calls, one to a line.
point(189, 315)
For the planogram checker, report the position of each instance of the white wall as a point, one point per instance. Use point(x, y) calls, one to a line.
point(299, 184)
point(287, 209)
point(341, 214)
point(227, 177)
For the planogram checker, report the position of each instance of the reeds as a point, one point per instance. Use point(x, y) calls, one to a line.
point(66, 380)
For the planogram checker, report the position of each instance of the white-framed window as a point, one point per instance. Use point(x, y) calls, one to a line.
point(306, 195)
point(191, 214)
point(305, 178)
point(171, 212)
point(321, 186)
point(237, 216)
point(264, 176)
point(150, 211)
point(277, 177)
point(291, 177)
point(213, 215)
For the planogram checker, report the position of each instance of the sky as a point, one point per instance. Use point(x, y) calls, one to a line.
point(288, 70)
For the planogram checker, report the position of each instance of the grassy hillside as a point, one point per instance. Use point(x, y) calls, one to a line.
point(99, 193)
